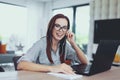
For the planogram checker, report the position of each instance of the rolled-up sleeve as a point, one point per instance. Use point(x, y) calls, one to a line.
point(32, 53)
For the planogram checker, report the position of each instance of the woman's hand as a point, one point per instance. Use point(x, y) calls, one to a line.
point(62, 68)
point(70, 36)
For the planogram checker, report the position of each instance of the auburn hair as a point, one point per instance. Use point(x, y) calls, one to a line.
point(49, 38)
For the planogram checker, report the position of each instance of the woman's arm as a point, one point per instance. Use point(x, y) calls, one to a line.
point(25, 65)
point(80, 54)
point(64, 68)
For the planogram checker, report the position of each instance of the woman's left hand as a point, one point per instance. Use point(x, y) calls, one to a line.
point(70, 36)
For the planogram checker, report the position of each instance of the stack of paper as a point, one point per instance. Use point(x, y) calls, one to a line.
point(66, 76)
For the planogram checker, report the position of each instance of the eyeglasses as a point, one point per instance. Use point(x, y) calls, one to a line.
point(58, 27)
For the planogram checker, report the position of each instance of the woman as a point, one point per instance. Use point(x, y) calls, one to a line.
point(50, 53)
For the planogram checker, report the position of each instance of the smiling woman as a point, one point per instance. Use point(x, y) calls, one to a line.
point(52, 52)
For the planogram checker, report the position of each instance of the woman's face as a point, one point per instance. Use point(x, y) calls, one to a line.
point(60, 29)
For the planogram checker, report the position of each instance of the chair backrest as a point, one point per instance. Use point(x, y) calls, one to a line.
point(1, 69)
point(15, 59)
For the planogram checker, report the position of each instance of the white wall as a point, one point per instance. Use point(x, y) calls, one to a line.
point(35, 21)
point(47, 14)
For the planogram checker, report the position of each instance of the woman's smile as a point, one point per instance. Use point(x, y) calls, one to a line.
point(59, 34)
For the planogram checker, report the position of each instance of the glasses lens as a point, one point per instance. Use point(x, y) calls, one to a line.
point(64, 28)
point(57, 26)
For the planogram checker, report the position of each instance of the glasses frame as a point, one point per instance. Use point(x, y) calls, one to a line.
point(59, 27)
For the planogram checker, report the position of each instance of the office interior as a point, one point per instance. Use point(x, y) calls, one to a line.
point(20, 34)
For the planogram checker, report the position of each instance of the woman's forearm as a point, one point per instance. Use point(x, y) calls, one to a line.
point(80, 53)
point(24, 65)
point(64, 68)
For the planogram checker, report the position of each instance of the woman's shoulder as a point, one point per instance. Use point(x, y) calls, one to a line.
point(68, 45)
point(42, 40)
point(69, 48)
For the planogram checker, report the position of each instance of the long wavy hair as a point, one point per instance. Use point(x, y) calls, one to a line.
point(49, 38)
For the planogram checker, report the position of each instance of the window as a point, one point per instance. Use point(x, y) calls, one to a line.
point(79, 21)
point(82, 26)
point(13, 22)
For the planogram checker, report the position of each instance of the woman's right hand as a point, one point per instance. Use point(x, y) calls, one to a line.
point(62, 68)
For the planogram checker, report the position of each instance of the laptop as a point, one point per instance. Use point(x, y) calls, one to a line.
point(102, 60)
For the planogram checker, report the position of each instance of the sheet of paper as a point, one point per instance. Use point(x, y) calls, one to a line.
point(66, 76)
point(8, 75)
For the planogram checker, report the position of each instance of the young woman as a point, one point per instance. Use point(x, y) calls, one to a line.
point(50, 53)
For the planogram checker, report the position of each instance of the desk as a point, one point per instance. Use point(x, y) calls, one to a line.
point(112, 74)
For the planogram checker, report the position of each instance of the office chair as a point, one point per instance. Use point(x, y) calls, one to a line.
point(1, 69)
point(15, 59)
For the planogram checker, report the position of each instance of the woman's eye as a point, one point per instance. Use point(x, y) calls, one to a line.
point(65, 27)
point(57, 25)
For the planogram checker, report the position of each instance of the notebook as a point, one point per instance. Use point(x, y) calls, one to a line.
point(102, 60)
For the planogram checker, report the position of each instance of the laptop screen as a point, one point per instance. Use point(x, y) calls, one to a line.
point(105, 55)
